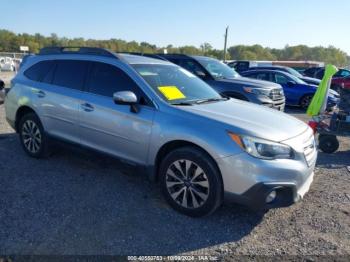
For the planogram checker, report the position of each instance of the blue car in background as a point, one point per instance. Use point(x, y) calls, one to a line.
point(296, 91)
point(292, 71)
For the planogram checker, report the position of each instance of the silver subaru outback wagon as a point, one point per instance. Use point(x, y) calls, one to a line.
point(200, 147)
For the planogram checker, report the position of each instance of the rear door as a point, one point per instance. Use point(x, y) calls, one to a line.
point(113, 128)
point(58, 98)
point(291, 92)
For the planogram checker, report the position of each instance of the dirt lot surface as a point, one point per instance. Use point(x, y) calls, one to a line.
point(77, 202)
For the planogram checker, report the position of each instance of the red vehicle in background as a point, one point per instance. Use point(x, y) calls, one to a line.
point(340, 79)
point(343, 82)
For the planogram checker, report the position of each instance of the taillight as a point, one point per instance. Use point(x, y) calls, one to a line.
point(313, 125)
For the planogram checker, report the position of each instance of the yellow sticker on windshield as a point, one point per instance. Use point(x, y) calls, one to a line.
point(171, 92)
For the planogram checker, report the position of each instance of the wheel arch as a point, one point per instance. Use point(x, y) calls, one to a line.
point(304, 95)
point(173, 145)
point(21, 111)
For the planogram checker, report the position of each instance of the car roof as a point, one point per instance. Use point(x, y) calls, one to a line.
point(61, 51)
point(140, 59)
point(265, 70)
point(272, 66)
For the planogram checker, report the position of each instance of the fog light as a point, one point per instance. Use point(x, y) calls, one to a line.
point(271, 197)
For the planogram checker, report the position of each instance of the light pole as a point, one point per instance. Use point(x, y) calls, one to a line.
point(225, 45)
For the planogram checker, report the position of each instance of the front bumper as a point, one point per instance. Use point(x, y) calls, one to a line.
point(267, 101)
point(286, 194)
point(248, 180)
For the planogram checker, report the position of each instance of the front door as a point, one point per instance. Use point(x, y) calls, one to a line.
point(113, 128)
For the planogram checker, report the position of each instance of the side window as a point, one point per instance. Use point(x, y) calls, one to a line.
point(242, 66)
point(105, 80)
point(194, 68)
point(281, 79)
point(251, 75)
point(70, 73)
point(262, 76)
point(319, 73)
point(49, 75)
point(344, 73)
point(38, 71)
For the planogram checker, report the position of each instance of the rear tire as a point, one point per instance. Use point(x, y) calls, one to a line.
point(190, 182)
point(328, 143)
point(32, 136)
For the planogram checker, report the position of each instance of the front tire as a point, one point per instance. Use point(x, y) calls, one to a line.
point(305, 101)
point(328, 143)
point(190, 182)
point(32, 136)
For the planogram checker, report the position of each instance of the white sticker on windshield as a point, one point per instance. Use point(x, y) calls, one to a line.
point(187, 72)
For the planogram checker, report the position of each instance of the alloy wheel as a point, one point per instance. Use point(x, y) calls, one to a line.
point(305, 102)
point(187, 184)
point(31, 136)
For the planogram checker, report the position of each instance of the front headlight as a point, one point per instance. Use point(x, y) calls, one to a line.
point(257, 91)
point(261, 148)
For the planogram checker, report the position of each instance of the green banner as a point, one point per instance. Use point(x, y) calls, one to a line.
point(320, 97)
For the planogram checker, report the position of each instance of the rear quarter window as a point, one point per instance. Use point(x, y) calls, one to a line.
point(39, 70)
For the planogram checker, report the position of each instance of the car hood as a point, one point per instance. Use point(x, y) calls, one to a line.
point(250, 82)
point(249, 119)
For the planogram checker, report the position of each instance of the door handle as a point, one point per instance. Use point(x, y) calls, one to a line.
point(41, 94)
point(87, 107)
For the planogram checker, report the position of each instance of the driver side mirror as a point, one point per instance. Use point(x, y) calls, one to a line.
point(291, 83)
point(126, 98)
point(2, 85)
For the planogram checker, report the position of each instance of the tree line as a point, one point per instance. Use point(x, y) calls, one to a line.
point(10, 42)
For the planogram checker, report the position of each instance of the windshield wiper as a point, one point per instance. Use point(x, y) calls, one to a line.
point(182, 104)
point(208, 100)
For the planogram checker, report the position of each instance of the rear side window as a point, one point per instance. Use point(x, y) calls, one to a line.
point(280, 79)
point(70, 73)
point(107, 79)
point(261, 76)
point(38, 71)
point(242, 66)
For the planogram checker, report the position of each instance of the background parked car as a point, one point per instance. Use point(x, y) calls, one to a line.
point(308, 80)
point(2, 91)
point(228, 82)
point(297, 92)
point(318, 72)
point(7, 64)
point(342, 82)
point(340, 79)
point(243, 65)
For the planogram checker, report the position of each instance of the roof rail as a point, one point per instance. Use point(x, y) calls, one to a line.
point(156, 56)
point(77, 50)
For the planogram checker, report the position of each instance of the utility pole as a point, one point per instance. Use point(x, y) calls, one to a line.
point(225, 46)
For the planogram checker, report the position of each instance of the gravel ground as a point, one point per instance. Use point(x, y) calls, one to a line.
point(78, 202)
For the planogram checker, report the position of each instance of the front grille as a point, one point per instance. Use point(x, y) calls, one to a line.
point(277, 94)
point(310, 152)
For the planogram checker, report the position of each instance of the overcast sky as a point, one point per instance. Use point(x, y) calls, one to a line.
point(270, 23)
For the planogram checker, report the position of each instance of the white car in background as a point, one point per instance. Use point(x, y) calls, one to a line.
point(7, 64)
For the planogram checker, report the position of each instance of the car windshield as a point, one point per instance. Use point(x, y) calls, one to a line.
point(217, 69)
point(176, 85)
point(294, 72)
